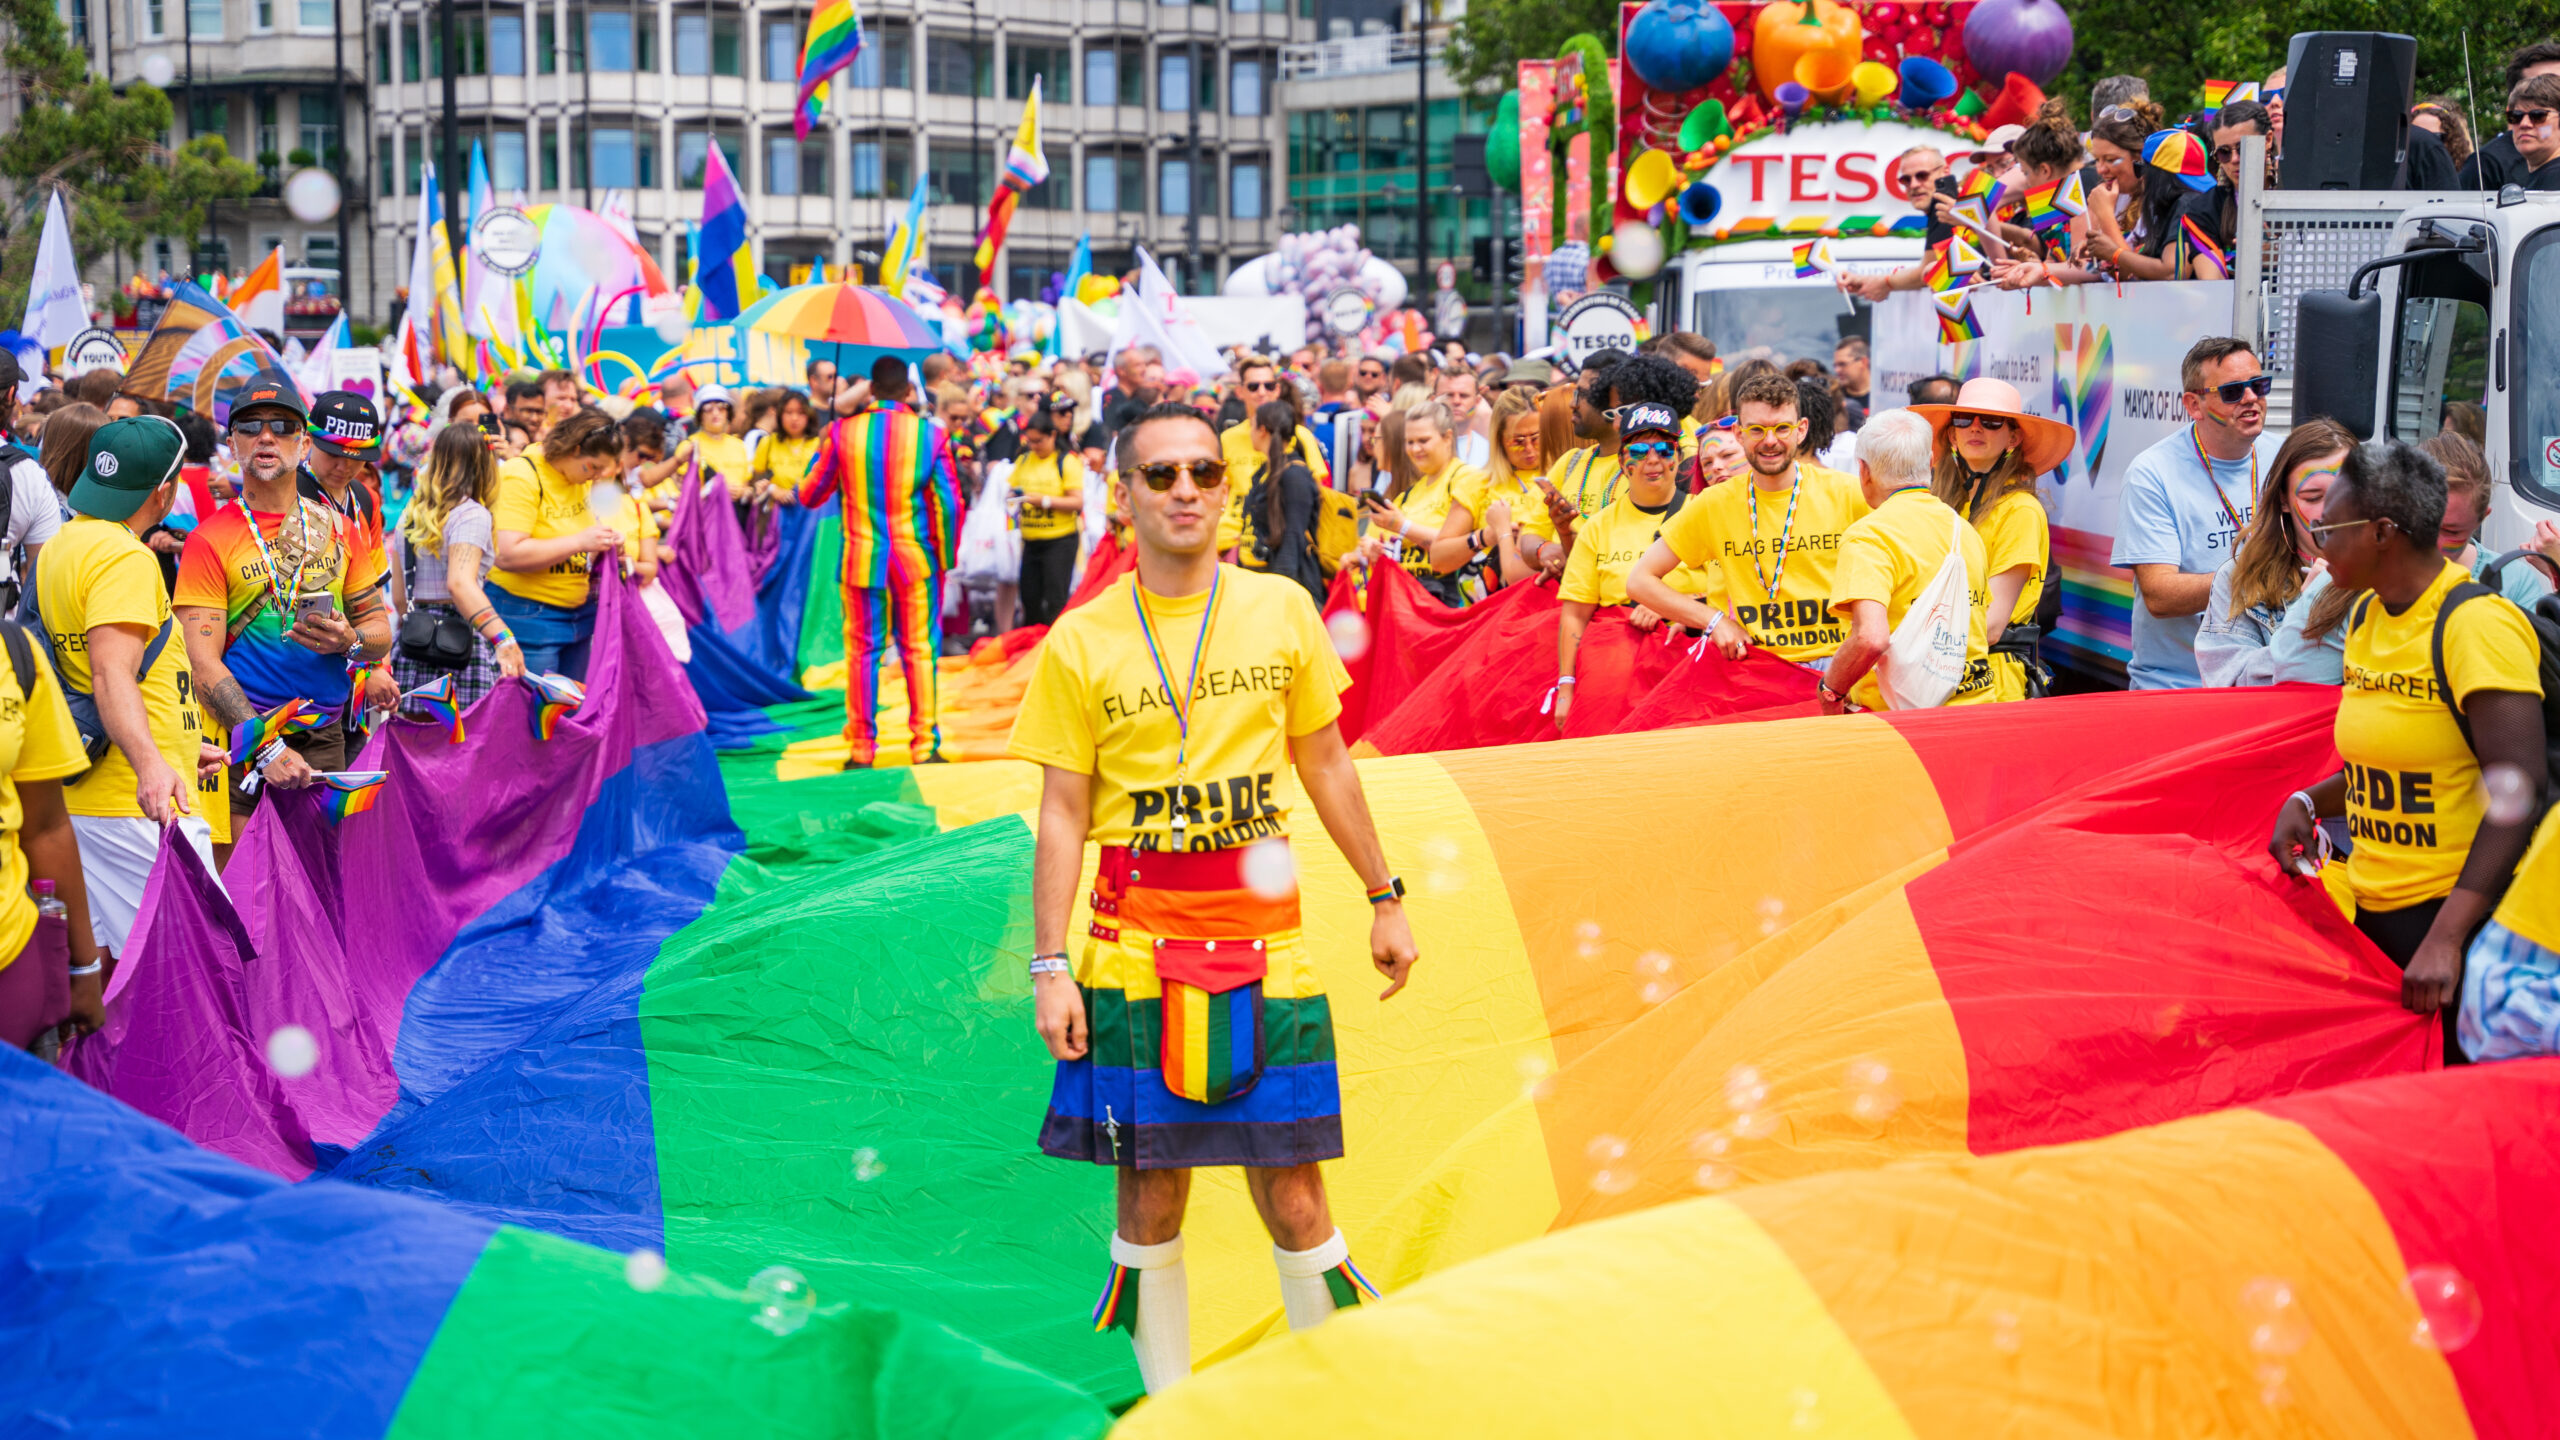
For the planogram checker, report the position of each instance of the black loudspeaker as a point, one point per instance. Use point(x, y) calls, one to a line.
point(2347, 336)
point(2346, 110)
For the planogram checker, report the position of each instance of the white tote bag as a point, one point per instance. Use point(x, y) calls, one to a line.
point(1924, 661)
point(990, 545)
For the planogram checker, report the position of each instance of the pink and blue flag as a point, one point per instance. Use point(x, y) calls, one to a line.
point(725, 268)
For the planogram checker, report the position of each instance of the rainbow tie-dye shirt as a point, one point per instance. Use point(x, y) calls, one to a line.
point(222, 568)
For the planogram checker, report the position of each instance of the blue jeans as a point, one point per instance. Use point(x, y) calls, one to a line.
point(554, 640)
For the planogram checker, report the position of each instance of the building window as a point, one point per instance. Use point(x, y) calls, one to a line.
point(959, 67)
point(1173, 187)
point(614, 157)
point(1390, 137)
point(382, 57)
point(208, 115)
point(1058, 192)
point(409, 70)
point(506, 160)
point(80, 23)
point(693, 151)
point(1049, 64)
point(546, 43)
point(320, 15)
point(794, 167)
point(320, 125)
point(707, 44)
point(155, 19)
point(413, 163)
point(386, 163)
point(506, 44)
point(782, 50)
point(959, 175)
point(264, 146)
point(1101, 182)
point(617, 41)
point(204, 19)
point(1173, 80)
point(320, 250)
point(1244, 86)
point(1244, 189)
point(550, 158)
point(262, 14)
point(883, 166)
point(1101, 75)
point(884, 61)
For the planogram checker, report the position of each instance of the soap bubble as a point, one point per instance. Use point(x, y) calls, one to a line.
point(1271, 869)
point(1654, 983)
point(1871, 1094)
point(1808, 1414)
point(2004, 1333)
point(2272, 1390)
point(1537, 1077)
point(2448, 1308)
point(291, 1052)
point(1605, 1149)
point(782, 1298)
point(312, 195)
point(1773, 914)
point(1444, 875)
point(1744, 1090)
point(2273, 1315)
point(1710, 1145)
point(867, 1166)
point(1755, 1125)
point(1614, 1179)
point(645, 1269)
point(1712, 1176)
point(158, 71)
point(2510, 794)
point(1350, 632)
point(1586, 940)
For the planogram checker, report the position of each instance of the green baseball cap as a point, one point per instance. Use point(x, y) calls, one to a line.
point(128, 460)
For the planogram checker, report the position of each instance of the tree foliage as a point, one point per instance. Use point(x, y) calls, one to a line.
point(1494, 36)
point(105, 151)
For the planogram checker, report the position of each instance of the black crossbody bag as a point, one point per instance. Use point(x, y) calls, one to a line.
point(435, 639)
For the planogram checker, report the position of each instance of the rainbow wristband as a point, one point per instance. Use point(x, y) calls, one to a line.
point(1392, 890)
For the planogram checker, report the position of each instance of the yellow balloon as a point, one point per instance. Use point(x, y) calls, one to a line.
point(1875, 82)
point(1652, 179)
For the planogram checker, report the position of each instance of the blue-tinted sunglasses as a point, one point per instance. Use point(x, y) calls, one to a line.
point(1648, 449)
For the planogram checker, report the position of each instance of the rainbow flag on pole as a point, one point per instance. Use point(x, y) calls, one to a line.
point(906, 242)
point(1024, 167)
point(724, 268)
point(1813, 257)
point(835, 37)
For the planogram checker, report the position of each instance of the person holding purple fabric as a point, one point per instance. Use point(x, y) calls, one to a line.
point(50, 973)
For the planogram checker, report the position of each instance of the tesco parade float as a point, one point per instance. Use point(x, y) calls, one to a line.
point(1739, 154)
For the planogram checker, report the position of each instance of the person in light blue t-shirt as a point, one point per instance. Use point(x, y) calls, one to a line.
point(2187, 502)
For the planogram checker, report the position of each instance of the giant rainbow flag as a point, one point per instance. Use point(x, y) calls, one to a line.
point(1784, 1019)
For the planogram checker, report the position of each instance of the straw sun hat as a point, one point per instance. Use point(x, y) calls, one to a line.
point(2046, 443)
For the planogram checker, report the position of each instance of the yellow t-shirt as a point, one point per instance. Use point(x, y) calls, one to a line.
point(725, 456)
point(1717, 528)
point(1097, 705)
point(540, 503)
point(2532, 906)
point(96, 573)
point(1235, 446)
point(37, 742)
point(2014, 533)
point(1426, 509)
point(1478, 491)
point(786, 459)
point(1607, 545)
point(1587, 478)
point(1061, 472)
point(623, 512)
point(1890, 555)
point(2413, 786)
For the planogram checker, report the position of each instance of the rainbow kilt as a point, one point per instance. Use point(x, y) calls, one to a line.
point(1116, 1105)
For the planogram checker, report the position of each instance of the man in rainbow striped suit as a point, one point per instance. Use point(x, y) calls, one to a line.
point(901, 534)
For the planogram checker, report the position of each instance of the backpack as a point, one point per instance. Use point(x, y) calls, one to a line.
point(82, 704)
point(1337, 527)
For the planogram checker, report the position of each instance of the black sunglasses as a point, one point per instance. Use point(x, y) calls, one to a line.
point(1987, 422)
point(2527, 117)
point(1159, 475)
point(2231, 390)
point(266, 427)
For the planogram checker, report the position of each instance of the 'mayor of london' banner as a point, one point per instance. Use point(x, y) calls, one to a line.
point(2101, 359)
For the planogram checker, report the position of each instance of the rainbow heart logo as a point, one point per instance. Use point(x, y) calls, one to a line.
point(2084, 387)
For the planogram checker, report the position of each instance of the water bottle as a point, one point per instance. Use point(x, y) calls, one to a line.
point(49, 905)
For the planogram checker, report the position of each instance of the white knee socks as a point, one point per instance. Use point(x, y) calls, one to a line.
point(1162, 1335)
point(1314, 1283)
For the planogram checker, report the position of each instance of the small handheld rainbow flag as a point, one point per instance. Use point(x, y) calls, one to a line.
point(2218, 92)
point(2054, 204)
point(436, 698)
point(1963, 259)
point(1973, 215)
point(351, 792)
point(2202, 243)
point(1980, 183)
point(1958, 328)
point(251, 737)
point(553, 697)
point(1813, 257)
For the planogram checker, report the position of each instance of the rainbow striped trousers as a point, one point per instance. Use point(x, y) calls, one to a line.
point(906, 613)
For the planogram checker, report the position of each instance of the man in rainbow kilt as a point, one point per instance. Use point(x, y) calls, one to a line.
point(901, 536)
point(1194, 1031)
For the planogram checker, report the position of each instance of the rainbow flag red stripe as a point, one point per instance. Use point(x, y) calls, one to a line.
point(835, 37)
